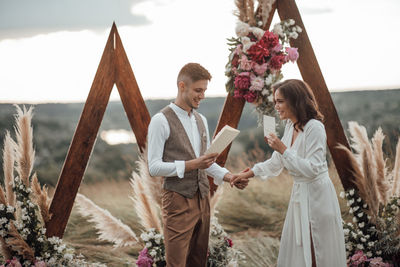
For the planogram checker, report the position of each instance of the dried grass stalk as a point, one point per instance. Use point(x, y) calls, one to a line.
point(396, 170)
point(153, 185)
point(16, 243)
point(41, 198)
point(265, 7)
point(110, 228)
point(5, 251)
point(371, 187)
point(250, 13)
point(381, 171)
point(145, 208)
point(2, 197)
point(241, 13)
point(25, 153)
point(8, 168)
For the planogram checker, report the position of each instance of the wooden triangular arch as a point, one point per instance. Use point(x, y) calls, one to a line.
point(311, 73)
point(114, 68)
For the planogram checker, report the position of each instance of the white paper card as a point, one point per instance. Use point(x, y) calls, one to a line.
point(269, 125)
point(222, 139)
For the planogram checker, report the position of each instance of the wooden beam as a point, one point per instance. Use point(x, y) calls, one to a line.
point(82, 142)
point(231, 113)
point(311, 73)
point(134, 105)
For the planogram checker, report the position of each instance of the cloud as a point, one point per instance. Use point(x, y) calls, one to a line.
point(25, 18)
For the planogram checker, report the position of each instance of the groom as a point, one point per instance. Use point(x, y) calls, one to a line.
point(177, 139)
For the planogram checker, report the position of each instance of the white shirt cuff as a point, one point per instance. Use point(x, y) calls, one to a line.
point(180, 168)
point(220, 179)
point(288, 154)
point(259, 172)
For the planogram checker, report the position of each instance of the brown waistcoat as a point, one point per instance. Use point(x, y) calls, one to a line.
point(178, 147)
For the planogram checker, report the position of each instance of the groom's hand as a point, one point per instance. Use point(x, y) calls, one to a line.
point(202, 162)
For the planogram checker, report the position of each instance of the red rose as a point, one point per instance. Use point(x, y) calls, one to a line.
point(250, 96)
point(230, 242)
point(242, 81)
point(277, 61)
point(269, 40)
point(258, 53)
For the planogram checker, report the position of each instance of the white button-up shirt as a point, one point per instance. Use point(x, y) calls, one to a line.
point(158, 133)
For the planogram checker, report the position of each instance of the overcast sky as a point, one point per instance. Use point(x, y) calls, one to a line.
point(50, 49)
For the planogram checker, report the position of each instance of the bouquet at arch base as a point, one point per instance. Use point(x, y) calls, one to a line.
point(255, 61)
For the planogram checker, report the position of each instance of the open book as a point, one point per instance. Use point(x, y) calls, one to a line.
point(222, 139)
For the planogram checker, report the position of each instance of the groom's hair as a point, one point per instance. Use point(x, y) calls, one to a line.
point(193, 72)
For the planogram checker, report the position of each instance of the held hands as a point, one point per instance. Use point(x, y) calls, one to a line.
point(240, 184)
point(275, 143)
point(241, 180)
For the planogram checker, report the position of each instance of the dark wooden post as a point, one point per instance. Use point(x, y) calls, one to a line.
point(311, 73)
point(114, 67)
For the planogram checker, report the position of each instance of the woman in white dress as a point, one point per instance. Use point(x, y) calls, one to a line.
point(312, 234)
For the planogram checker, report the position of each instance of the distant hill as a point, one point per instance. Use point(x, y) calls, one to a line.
point(54, 125)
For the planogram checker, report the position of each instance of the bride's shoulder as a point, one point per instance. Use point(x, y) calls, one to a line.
point(314, 125)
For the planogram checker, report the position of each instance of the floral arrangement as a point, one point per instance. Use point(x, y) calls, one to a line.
point(146, 198)
point(24, 207)
point(256, 58)
point(221, 252)
point(373, 235)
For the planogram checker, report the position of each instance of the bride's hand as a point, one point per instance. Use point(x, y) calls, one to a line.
point(275, 143)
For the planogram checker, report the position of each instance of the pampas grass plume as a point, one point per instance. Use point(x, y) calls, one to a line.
point(110, 228)
point(8, 168)
point(41, 198)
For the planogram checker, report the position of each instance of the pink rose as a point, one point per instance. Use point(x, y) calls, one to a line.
point(40, 264)
point(292, 54)
point(144, 259)
point(242, 81)
point(14, 263)
point(250, 96)
point(257, 83)
point(260, 69)
point(377, 262)
point(245, 64)
point(358, 258)
point(277, 48)
point(258, 53)
point(277, 61)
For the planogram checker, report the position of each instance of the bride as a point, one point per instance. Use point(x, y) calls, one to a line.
point(312, 234)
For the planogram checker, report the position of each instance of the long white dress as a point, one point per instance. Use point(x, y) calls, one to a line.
point(313, 203)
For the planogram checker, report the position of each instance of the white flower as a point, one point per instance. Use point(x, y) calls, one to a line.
point(10, 209)
point(365, 206)
point(278, 29)
point(148, 244)
point(369, 254)
point(398, 201)
point(271, 98)
point(3, 220)
point(2, 207)
point(363, 239)
point(370, 244)
point(349, 247)
point(359, 199)
point(367, 236)
point(355, 219)
point(245, 40)
point(346, 231)
point(257, 32)
point(2, 233)
point(68, 256)
point(361, 225)
point(151, 235)
point(40, 239)
point(354, 235)
point(378, 252)
point(293, 35)
point(393, 206)
point(298, 29)
point(242, 29)
point(369, 217)
point(360, 246)
point(351, 192)
point(264, 92)
point(351, 210)
point(355, 208)
point(260, 23)
point(291, 21)
point(144, 237)
point(341, 194)
point(153, 253)
point(360, 214)
point(269, 79)
point(389, 219)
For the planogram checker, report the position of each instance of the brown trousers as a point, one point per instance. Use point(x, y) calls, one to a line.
point(186, 229)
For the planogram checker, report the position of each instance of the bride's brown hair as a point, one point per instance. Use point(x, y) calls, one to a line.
point(301, 101)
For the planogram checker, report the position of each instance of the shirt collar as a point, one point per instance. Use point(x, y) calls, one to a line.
point(178, 110)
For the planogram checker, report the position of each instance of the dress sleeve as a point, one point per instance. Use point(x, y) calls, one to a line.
point(269, 168)
point(315, 153)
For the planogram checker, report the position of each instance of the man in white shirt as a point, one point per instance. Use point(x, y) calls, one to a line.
point(177, 139)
